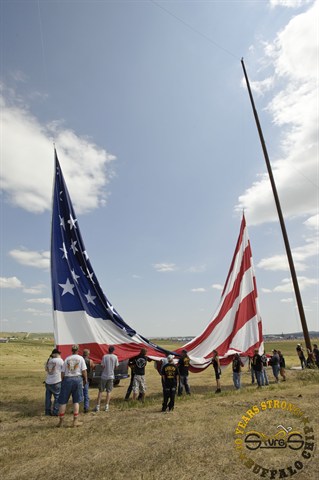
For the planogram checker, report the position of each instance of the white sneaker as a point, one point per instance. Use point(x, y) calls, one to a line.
point(106, 408)
point(97, 408)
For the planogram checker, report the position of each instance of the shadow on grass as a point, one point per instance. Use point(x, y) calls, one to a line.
point(22, 407)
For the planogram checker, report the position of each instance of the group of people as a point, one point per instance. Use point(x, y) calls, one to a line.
point(312, 359)
point(258, 367)
point(66, 378)
point(70, 377)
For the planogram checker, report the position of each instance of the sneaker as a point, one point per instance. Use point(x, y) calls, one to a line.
point(218, 390)
point(97, 408)
point(106, 408)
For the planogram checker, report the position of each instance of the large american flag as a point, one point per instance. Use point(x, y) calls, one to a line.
point(236, 326)
point(83, 315)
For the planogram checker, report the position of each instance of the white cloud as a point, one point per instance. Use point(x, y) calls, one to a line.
point(287, 300)
point(266, 290)
point(217, 286)
point(262, 86)
point(303, 282)
point(10, 282)
point(35, 290)
point(198, 290)
point(197, 269)
point(300, 255)
point(43, 301)
point(313, 222)
point(294, 57)
point(289, 3)
point(31, 258)
point(27, 165)
point(36, 312)
point(165, 267)
point(277, 262)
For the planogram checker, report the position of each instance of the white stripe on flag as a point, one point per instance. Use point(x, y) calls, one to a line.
point(79, 327)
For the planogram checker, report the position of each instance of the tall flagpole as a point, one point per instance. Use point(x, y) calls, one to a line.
point(281, 218)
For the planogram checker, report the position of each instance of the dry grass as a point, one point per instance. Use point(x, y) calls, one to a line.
point(135, 441)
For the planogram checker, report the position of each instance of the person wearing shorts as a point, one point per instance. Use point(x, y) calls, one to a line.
point(109, 362)
point(74, 375)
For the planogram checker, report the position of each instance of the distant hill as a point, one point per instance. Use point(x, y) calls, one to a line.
point(290, 336)
point(271, 336)
point(182, 339)
point(29, 335)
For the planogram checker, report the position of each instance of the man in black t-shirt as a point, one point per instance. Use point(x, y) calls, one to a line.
point(139, 363)
point(236, 366)
point(257, 365)
point(183, 366)
point(170, 378)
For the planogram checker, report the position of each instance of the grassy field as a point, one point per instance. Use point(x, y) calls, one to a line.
point(138, 442)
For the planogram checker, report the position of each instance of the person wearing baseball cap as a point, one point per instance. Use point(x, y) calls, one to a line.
point(170, 378)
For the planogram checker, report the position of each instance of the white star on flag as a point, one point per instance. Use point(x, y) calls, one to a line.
point(64, 250)
point(90, 298)
point(111, 309)
point(72, 221)
point(90, 276)
point(73, 246)
point(75, 276)
point(67, 287)
point(62, 222)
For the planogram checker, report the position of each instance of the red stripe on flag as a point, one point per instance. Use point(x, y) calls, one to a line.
point(228, 301)
point(123, 351)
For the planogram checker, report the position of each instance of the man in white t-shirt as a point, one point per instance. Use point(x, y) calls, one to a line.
point(109, 362)
point(53, 368)
point(74, 375)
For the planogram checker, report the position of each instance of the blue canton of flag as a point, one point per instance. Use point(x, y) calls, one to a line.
point(74, 283)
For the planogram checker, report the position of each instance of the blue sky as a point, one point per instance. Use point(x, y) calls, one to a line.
point(146, 104)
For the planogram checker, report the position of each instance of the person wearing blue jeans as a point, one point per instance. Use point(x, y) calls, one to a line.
point(53, 368)
point(89, 368)
point(236, 365)
point(52, 391)
point(257, 365)
point(252, 371)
